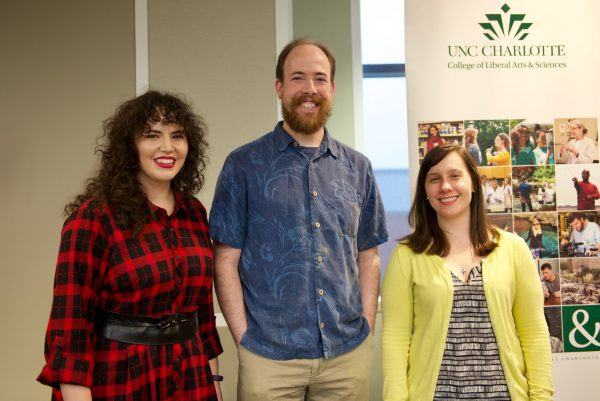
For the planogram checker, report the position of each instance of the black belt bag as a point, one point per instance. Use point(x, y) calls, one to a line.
point(133, 329)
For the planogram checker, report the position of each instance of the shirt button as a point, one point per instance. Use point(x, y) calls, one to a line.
point(315, 193)
point(295, 144)
point(319, 258)
point(317, 224)
point(322, 325)
point(321, 292)
point(311, 163)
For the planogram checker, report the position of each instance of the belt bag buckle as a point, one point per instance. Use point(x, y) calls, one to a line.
point(172, 321)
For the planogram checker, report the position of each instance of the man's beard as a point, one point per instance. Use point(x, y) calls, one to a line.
point(305, 124)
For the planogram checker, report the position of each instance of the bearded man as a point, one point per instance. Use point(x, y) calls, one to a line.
point(296, 221)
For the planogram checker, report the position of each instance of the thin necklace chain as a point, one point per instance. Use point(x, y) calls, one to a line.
point(463, 269)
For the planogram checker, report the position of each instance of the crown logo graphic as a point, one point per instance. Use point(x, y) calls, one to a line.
point(507, 26)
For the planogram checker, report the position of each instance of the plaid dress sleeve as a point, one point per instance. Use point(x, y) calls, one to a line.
point(69, 346)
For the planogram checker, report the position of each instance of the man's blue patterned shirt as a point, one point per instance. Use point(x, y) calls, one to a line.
point(300, 222)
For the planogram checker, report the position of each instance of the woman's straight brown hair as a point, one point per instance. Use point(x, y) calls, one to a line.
point(427, 236)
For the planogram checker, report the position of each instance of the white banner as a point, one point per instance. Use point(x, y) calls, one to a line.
point(504, 70)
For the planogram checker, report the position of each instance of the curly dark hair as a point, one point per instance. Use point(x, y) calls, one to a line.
point(116, 182)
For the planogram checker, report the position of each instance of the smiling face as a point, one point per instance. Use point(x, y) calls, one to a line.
point(576, 130)
point(523, 138)
point(541, 140)
point(162, 150)
point(306, 91)
point(449, 188)
point(499, 143)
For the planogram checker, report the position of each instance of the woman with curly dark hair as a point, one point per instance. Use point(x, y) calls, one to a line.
point(132, 313)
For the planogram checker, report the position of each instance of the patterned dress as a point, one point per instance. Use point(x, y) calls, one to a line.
point(471, 366)
point(166, 270)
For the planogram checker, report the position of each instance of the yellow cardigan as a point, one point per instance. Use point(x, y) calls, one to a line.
point(501, 158)
point(416, 304)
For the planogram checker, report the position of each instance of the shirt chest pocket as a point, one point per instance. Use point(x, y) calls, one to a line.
point(346, 211)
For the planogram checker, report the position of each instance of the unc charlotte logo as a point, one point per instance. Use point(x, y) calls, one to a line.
point(581, 328)
point(497, 25)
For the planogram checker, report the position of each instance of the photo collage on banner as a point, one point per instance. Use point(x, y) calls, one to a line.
point(540, 180)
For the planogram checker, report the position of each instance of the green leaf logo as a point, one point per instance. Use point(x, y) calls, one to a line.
point(507, 26)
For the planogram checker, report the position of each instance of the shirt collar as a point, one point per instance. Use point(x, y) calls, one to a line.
point(284, 140)
point(180, 206)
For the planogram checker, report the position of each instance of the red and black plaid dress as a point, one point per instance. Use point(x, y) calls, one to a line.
point(166, 270)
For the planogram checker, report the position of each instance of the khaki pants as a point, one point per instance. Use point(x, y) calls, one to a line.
point(343, 378)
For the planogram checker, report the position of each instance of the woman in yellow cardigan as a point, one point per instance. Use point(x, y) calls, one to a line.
point(462, 304)
point(501, 157)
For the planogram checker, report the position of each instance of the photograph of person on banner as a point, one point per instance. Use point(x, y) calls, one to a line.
point(576, 140)
point(499, 155)
point(533, 188)
point(539, 231)
point(587, 193)
point(544, 144)
point(494, 188)
point(579, 234)
point(522, 149)
point(508, 194)
point(433, 137)
point(550, 281)
point(487, 142)
point(434, 134)
point(471, 144)
point(435, 297)
point(578, 187)
point(554, 322)
point(580, 281)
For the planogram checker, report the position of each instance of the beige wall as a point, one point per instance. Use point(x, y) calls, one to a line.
point(221, 55)
point(331, 25)
point(62, 72)
point(66, 66)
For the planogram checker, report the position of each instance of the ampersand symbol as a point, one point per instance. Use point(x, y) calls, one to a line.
point(579, 328)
